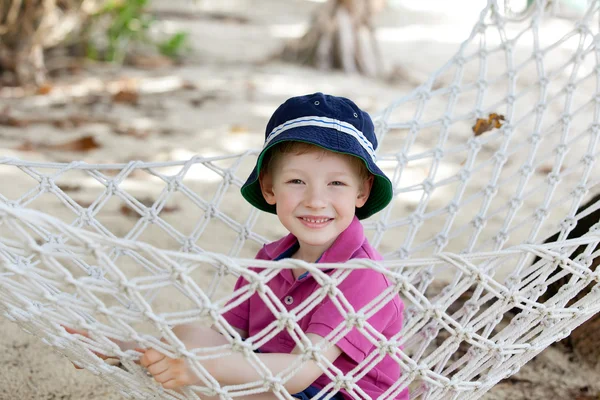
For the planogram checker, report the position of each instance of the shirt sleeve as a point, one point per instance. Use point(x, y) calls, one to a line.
point(359, 288)
point(238, 316)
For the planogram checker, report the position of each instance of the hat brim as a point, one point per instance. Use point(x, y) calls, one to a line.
point(381, 191)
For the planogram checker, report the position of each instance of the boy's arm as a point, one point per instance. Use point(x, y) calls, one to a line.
point(232, 369)
point(235, 369)
point(241, 332)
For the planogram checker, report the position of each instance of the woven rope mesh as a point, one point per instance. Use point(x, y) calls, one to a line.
point(474, 291)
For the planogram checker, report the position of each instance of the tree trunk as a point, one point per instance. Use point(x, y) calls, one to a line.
point(584, 340)
point(341, 36)
point(28, 27)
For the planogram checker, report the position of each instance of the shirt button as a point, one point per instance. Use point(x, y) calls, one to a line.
point(288, 300)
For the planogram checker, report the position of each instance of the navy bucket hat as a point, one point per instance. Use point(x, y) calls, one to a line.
point(333, 123)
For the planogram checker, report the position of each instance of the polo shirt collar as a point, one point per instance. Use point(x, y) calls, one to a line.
point(342, 249)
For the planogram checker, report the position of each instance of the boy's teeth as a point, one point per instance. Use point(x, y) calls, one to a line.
point(316, 221)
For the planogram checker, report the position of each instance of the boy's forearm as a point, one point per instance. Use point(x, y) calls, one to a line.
point(235, 369)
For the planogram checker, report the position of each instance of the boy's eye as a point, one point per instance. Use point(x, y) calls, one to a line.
point(295, 181)
point(338, 183)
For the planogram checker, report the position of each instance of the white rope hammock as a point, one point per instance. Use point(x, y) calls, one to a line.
point(141, 247)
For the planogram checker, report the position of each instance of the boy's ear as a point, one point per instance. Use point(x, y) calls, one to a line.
point(364, 192)
point(266, 187)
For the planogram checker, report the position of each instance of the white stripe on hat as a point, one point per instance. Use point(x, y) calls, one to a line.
point(324, 122)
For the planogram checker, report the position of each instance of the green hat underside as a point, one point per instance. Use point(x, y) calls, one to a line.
point(380, 196)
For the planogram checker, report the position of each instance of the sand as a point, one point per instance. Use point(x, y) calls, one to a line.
point(217, 102)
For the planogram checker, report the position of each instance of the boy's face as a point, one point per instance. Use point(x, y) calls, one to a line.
point(315, 194)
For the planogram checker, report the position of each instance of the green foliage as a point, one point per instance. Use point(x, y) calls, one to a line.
point(124, 23)
point(172, 47)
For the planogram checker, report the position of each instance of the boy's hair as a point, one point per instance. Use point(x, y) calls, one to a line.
point(298, 148)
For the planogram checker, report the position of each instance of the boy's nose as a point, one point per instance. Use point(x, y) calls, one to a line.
point(315, 198)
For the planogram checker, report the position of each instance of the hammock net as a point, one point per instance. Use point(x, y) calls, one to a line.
point(128, 251)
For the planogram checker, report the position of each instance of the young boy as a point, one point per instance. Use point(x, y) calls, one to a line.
point(317, 172)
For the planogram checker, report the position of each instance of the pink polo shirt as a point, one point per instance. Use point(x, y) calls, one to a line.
point(359, 288)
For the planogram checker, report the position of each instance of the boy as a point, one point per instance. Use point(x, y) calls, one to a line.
point(317, 173)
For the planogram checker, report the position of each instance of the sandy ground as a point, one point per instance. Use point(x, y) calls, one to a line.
point(217, 102)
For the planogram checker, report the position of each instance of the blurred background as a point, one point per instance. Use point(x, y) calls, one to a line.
point(114, 81)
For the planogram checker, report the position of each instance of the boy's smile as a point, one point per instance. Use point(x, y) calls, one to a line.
point(316, 194)
point(314, 222)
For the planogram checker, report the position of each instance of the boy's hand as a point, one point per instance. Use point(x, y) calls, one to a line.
point(171, 373)
point(85, 334)
point(122, 345)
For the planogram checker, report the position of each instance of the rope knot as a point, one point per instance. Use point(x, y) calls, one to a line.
point(465, 335)
point(414, 127)
point(355, 320)
point(388, 348)
point(471, 306)
point(464, 175)
point(330, 288)
point(568, 223)
point(491, 190)
point(515, 203)
point(286, 320)
point(45, 184)
point(111, 187)
point(430, 332)
point(478, 222)
point(583, 260)
point(242, 347)
point(500, 158)
point(402, 253)
point(446, 122)
point(588, 159)
point(273, 383)
point(501, 237)
point(454, 90)
point(211, 211)
point(541, 213)
point(511, 281)
point(552, 178)
point(95, 272)
point(416, 219)
point(343, 382)
point(402, 159)
point(427, 186)
point(560, 149)
point(426, 276)
point(174, 184)
point(474, 144)
point(228, 177)
point(85, 216)
point(151, 215)
point(535, 138)
point(257, 286)
point(424, 95)
point(452, 208)
point(540, 108)
point(245, 232)
point(311, 353)
point(525, 170)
